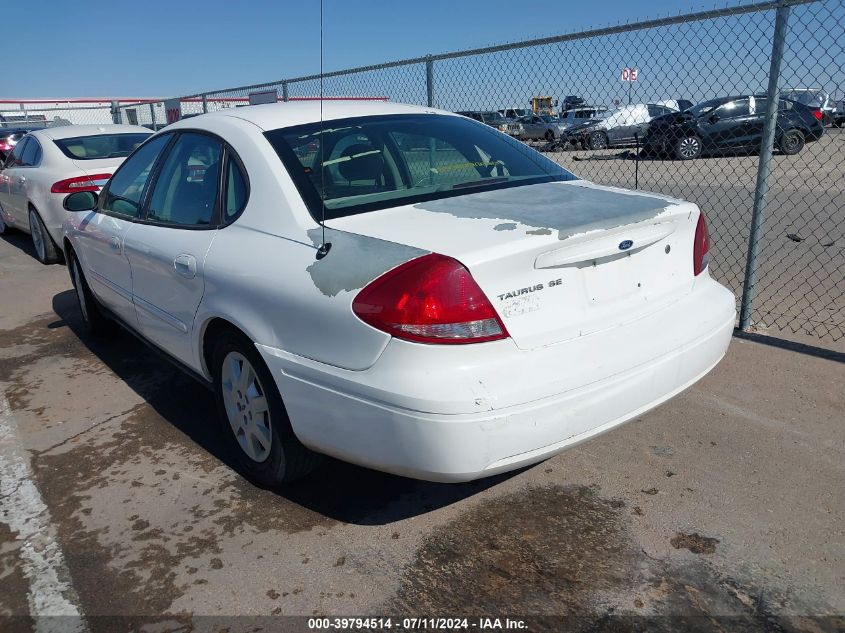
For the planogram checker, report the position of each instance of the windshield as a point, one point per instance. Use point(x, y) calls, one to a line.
point(812, 98)
point(100, 146)
point(377, 162)
point(546, 118)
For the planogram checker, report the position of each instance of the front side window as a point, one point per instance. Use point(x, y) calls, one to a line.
point(368, 163)
point(733, 109)
point(100, 146)
point(123, 193)
point(185, 192)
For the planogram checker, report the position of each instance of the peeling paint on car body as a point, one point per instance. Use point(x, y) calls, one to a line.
point(570, 208)
point(505, 226)
point(355, 260)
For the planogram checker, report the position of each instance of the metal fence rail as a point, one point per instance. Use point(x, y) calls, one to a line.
point(776, 220)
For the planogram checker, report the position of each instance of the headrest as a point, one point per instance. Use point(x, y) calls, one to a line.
point(365, 163)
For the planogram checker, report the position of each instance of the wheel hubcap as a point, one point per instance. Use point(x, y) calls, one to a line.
point(791, 141)
point(689, 147)
point(37, 237)
point(246, 406)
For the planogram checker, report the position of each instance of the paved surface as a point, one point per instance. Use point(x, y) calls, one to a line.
point(726, 501)
point(802, 264)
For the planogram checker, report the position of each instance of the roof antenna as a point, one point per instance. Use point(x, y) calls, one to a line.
point(325, 247)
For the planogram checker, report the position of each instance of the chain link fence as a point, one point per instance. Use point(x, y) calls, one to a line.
point(771, 182)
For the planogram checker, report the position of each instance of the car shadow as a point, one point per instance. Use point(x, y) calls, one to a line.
point(337, 490)
point(21, 241)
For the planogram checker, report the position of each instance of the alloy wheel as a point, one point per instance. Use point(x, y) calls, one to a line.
point(689, 147)
point(37, 236)
point(246, 406)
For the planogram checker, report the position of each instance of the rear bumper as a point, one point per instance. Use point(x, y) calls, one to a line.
point(447, 414)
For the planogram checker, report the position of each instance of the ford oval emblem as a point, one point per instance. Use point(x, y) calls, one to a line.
point(625, 245)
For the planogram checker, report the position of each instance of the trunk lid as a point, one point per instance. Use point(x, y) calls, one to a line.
point(557, 260)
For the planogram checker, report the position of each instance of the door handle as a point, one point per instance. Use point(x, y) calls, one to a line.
point(114, 244)
point(186, 265)
point(22, 180)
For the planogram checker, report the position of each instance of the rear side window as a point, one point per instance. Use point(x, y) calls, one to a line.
point(15, 156)
point(100, 146)
point(32, 153)
point(185, 191)
point(123, 195)
point(235, 190)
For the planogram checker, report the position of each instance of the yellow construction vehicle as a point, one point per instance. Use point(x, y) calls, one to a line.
point(543, 105)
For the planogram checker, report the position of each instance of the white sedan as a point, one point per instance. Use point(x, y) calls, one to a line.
point(470, 307)
point(46, 165)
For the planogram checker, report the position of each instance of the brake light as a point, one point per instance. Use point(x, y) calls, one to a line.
point(4, 146)
point(80, 183)
point(431, 299)
point(818, 114)
point(701, 246)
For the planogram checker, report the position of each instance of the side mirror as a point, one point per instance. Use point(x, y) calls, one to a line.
point(80, 201)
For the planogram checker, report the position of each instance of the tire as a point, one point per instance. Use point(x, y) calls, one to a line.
point(550, 136)
point(253, 419)
point(791, 142)
point(688, 147)
point(45, 247)
point(838, 122)
point(92, 316)
point(598, 141)
point(4, 228)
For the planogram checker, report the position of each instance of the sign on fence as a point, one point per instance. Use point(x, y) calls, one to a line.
point(630, 74)
point(265, 96)
point(172, 110)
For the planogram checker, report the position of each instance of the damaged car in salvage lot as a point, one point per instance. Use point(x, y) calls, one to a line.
point(396, 286)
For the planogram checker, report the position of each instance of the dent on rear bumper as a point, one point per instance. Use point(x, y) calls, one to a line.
point(479, 416)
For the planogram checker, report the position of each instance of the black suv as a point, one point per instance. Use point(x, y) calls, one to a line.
point(731, 124)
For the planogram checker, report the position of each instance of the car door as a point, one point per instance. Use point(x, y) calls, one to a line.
point(728, 126)
point(10, 172)
point(101, 235)
point(167, 251)
point(14, 200)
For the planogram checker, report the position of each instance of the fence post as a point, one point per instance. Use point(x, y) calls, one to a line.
point(205, 104)
point(429, 81)
point(25, 114)
point(115, 112)
point(153, 116)
point(749, 286)
point(285, 91)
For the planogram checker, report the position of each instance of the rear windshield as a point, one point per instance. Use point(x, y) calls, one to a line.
point(101, 145)
point(377, 162)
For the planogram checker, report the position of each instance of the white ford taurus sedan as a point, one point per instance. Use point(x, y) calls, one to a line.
point(47, 165)
point(472, 308)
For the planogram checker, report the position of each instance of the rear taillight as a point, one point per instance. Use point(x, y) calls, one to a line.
point(701, 246)
point(431, 299)
point(818, 114)
point(80, 183)
point(5, 147)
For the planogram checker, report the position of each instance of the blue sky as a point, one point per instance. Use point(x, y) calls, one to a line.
point(155, 48)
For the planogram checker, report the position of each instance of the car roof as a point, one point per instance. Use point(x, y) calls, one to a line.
point(73, 131)
point(272, 116)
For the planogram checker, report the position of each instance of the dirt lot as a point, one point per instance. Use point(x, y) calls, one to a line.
point(802, 271)
point(723, 506)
